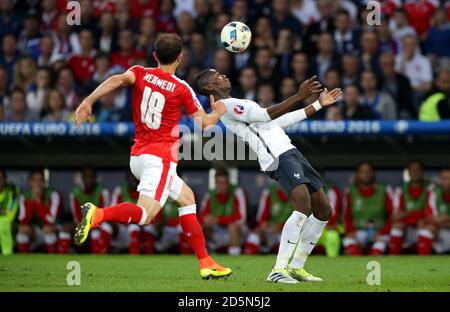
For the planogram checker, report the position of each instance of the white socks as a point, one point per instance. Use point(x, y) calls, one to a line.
point(309, 235)
point(289, 238)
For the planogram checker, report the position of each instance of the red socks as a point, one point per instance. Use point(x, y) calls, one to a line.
point(123, 213)
point(425, 242)
point(395, 242)
point(193, 231)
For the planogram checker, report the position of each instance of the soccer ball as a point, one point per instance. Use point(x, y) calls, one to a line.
point(236, 37)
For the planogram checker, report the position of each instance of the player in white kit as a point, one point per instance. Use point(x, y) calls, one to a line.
point(263, 130)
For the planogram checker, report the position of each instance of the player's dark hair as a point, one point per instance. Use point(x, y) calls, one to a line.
point(365, 162)
point(343, 12)
point(167, 48)
point(35, 171)
point(222, 172)
point(416, 161)
point(201, 80)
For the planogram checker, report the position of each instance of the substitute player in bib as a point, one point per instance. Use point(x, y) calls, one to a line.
point(157, 99)
point(263, 130)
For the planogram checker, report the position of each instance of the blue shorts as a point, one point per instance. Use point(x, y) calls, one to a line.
point(293, 170)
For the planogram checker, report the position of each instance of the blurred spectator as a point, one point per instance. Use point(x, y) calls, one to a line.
point(367, 210)
point(107, 40)
point(288, 88)
point(332, 78)
point(90, 190)
point(300, 67)
point(122, 16)
point(286, 44)
point(47, 54)
point(49, 16)
point(185, 6)
point(437, 105)
point(147, 36)
point(185, 25)
point(273, 211)
point(108, 112)
point(203, 21)
point(3, 90)
point(10, 22)
point(55, 106)
point(9, 54)
point(38, 90)
point(200, 54)
point(166, 20)
point(435, 234)
point(239, 12)
point(369, 53)
point(325, 24)
point(397, 85)
point(28, 42)
point(82, 64)
point(127, 54)
point(345, 38)
point(350, 69)
point(325, 57)
point(353, 110)
point(9, 199)
point(282, 17)
point(214, 41)
point(102, 72)
point(380, 102)
point(265, 95)
point(65, 83)
point(247, 84)
point(38, 216)
point(400, 28)
point(387, 44)
point(24, 73)
point(66, 42)
point(265, 67)
point(223, 214)
point(217, 6)
point(305, 11)
point(88, 21)
point(438, 39)
point(334, 113)
point(262, 37)
point(419, 14)
point(143, 8)
point(416, 67)
point(103, 6)
point(18, 110)
point(411, 209)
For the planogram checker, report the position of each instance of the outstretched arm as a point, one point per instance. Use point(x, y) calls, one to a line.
point(207, 120)
point(306, 89)
point(84, 111)
point(255, 113)
point(326, 99)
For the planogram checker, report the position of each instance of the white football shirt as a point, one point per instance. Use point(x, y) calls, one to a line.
point(251, 123)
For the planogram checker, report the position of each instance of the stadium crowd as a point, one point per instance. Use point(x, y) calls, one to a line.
point(369, 217)
point(398, 69)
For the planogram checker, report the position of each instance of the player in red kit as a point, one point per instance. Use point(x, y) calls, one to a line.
point(157, 99)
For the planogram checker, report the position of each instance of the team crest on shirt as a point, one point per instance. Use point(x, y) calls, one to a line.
point(238, 109)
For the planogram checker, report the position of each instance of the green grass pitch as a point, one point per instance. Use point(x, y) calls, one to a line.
point(180, 273)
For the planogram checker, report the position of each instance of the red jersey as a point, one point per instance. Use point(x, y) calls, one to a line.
point(46, 209)
point(83, 67)
point(157, 100)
